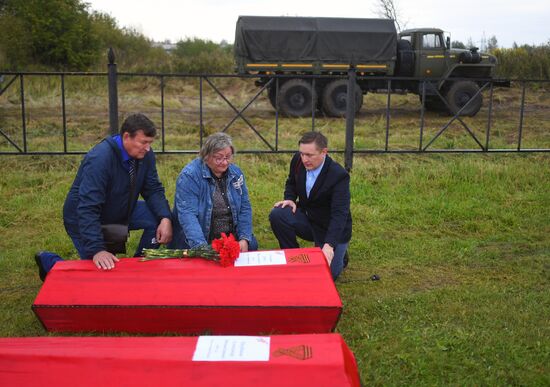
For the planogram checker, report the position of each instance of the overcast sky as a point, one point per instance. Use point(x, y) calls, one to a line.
point(523, 22)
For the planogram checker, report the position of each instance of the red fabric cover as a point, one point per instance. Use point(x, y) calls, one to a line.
point(191, 296)
point(166, 361)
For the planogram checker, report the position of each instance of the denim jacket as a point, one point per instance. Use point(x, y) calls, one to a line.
point(193, 204)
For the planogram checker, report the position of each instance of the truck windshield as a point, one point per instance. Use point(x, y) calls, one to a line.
point(431, 41)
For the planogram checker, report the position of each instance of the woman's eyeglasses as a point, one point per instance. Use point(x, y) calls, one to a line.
point(220, 159)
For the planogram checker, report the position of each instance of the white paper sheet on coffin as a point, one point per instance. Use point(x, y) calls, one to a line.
point(232, 348)
point(261, 258)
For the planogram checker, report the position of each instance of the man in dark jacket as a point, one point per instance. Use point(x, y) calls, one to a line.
point(316, 205)
point(105, 191)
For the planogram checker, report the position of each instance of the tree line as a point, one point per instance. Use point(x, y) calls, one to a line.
point(65, 35)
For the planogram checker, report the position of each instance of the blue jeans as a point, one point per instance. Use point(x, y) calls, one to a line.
point(142, 219)
point(287, 226)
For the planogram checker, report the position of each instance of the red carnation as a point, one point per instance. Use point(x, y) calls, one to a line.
point(217, 244)
point(228, 248)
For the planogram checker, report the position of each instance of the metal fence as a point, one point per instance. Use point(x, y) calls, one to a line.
point(19, 143)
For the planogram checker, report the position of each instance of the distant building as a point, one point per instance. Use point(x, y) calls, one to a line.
point(166, 46)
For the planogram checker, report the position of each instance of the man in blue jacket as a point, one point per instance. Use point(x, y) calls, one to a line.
point(105, 191)
point(316, 205)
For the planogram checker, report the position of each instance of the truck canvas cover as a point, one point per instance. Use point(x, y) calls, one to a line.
point(274, 39)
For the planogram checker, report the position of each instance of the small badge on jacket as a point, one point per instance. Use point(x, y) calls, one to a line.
point(238, 184)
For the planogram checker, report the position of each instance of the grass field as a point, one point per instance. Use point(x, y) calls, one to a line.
point(87, 117)
point(460, 242)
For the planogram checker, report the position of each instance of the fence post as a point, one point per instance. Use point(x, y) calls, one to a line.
point(350, 119)
point(113, 92)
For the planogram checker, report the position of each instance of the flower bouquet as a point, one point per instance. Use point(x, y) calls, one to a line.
point(224, 250)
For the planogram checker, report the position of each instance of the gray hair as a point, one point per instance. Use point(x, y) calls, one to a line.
point(214, 143)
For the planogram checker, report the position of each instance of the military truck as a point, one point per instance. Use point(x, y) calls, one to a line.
point(330, 46)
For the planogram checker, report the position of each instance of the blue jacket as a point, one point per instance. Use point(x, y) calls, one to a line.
point(192, 214)
point(328, 204)
point(101, 189)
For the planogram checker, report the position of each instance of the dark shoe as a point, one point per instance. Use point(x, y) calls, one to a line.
point(346, 259)
point(41, 272)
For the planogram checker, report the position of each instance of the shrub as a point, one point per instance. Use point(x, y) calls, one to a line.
point(197, 56)
point(524, 62)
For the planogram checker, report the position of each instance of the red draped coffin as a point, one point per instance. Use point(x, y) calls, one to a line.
point(191, 296)
point(294, 360)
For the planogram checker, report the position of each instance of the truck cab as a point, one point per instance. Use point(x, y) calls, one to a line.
point(430, 51)
point(434, 58)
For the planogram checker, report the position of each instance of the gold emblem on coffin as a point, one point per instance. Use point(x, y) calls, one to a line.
point(300, 352)
point(300, 258)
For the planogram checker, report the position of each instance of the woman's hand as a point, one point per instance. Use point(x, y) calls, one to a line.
point(244, 245)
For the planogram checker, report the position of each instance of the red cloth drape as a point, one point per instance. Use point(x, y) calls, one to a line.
point(191, 296)
point(295, 360)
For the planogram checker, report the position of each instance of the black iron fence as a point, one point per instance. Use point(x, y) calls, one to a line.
point(18, 143)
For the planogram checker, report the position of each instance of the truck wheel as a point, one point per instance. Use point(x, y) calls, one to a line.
point(335, 98)
point(271, 95)
point(460, 93)
point(296, 97)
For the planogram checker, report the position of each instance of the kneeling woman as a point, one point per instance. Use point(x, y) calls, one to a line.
point(212, 198)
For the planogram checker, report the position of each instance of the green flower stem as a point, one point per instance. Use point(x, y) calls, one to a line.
point(163, 253)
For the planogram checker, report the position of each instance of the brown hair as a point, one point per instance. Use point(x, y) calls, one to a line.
point(318, 138)
point(138, 121)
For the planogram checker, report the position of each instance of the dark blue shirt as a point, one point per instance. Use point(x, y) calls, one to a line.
point(125, 156)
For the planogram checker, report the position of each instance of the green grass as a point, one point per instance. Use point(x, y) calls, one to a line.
point(87, 116)
point(461, 242)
